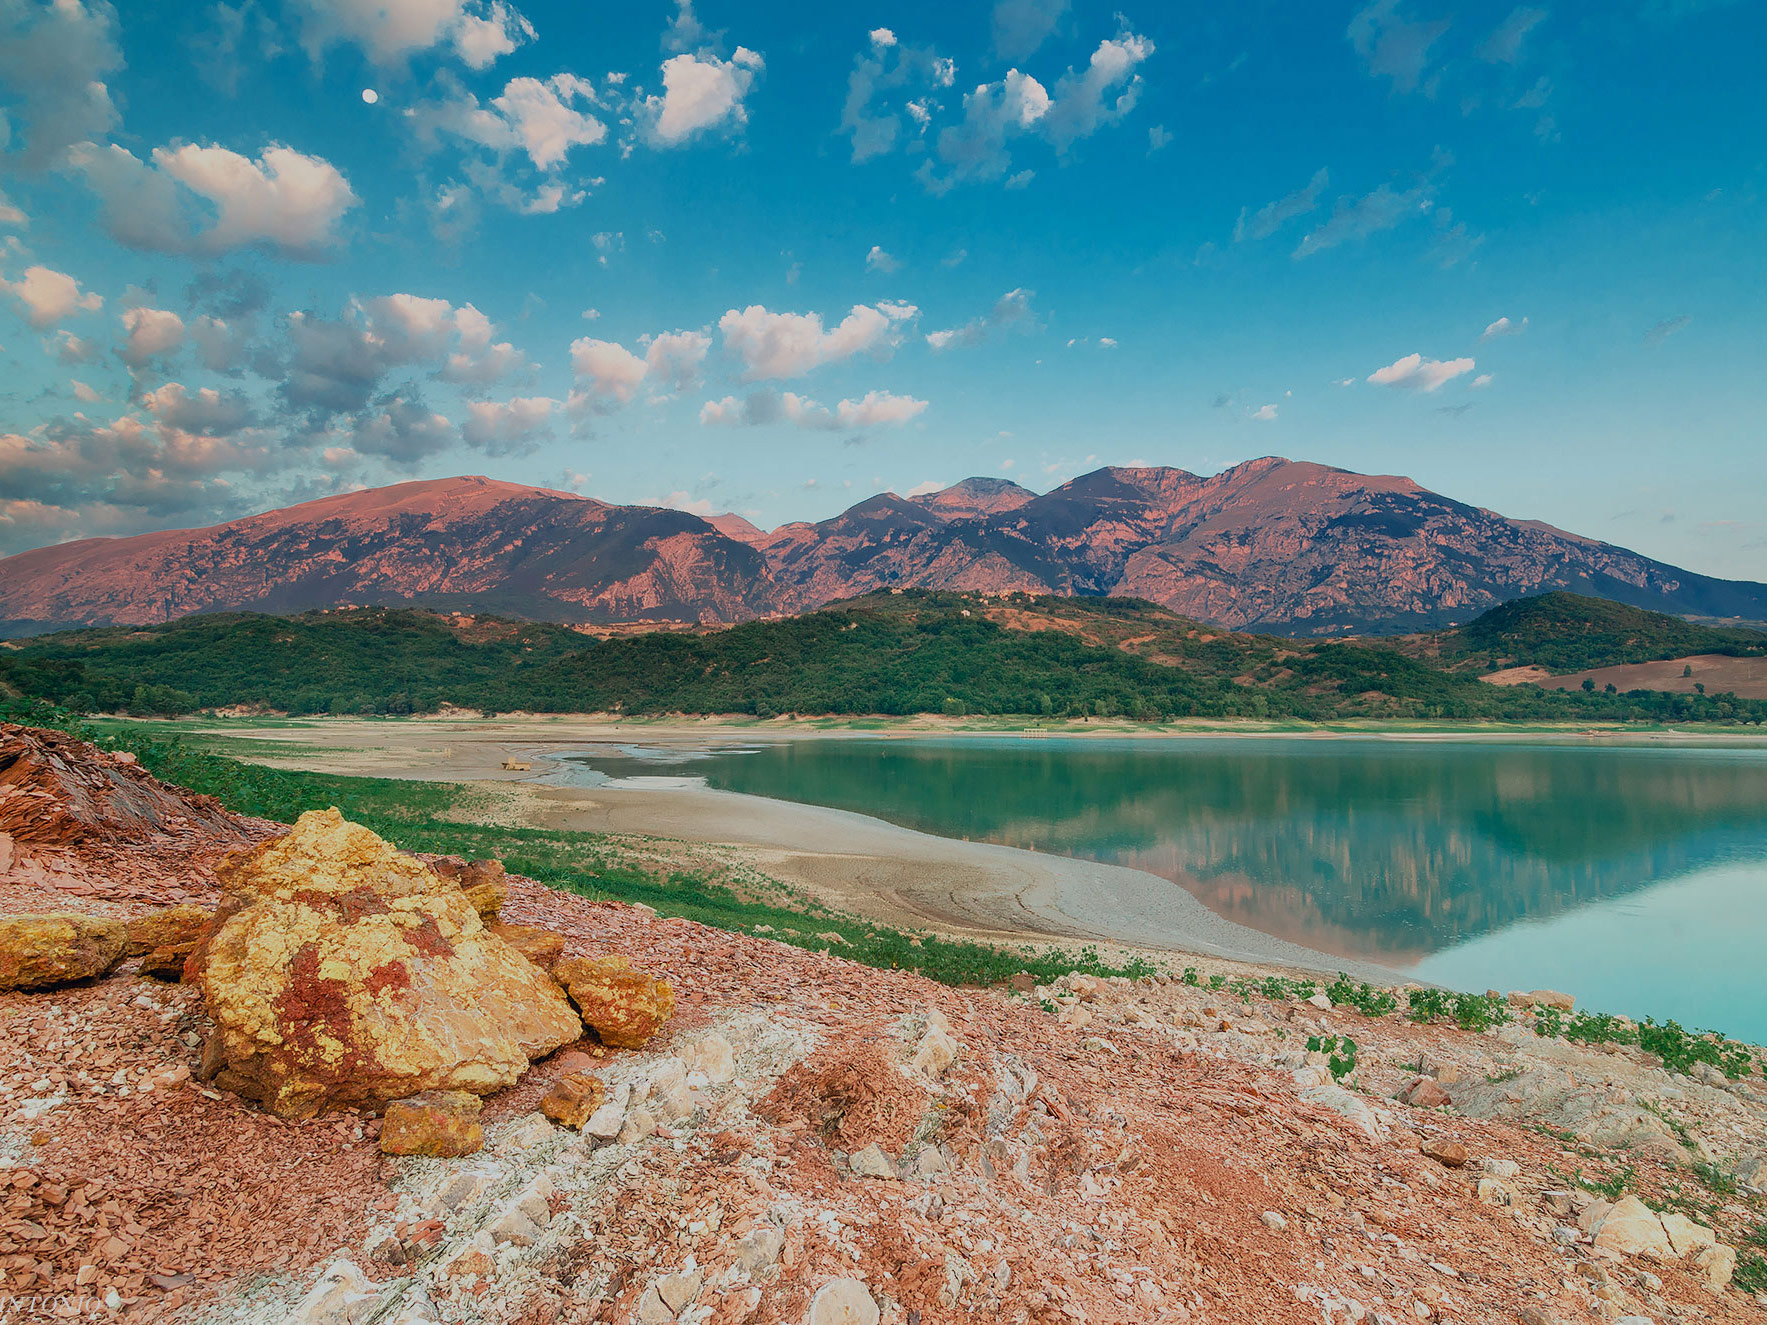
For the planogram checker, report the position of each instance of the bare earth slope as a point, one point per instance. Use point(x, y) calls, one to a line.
point(1271, 545)
point(1746, 677)
point(1099, 1151)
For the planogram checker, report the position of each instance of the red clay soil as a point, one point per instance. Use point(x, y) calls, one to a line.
point(1131, 1186)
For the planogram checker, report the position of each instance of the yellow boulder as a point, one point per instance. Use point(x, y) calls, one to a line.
point(573, 1098)
point(53, 949)
point(623, 1006)
point(342, 973)
point(443, 1124)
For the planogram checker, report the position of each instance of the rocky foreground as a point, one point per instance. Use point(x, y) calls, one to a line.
point(249, 1074)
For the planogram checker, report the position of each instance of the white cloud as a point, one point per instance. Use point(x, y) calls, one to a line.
point(1667, 328)
point(389, 31)
point(54, 59)
point(336, 366)
point(1021, 26)
point(1159, 137)
point(77, 477)
point(11, 215)
point(206, 410)
point(285, 200)
point(545, 120)
point(1107, 342)
point(784, 345)
point(83, 393)
point(1011, 309)
point(501, 426)
point(878, 408)
point(925, 488)
point(979, 146)
point(403, 430)
point(700, 92)
point(149, 333)
point(1357, 218)
point(675, 357)
point(685, 31)
point(1416, 373)
point(976, 148)
point(1265, 414)
point(481, 359)
point(682, 500)
point(761, 407)
point(542, 118)
point(610, 374)
point(1480, 382)
point(1504, 45)
point(1085, 101)
point(608, 242)
point(878, 260)
point(883, 72)
point(1272, 216)
point(46, 296)
point(611, 371)
point(410, 327)
point(874, 409)
point(69, 348)
point(1393, 46)
point(1504, 327)
point(480, 39)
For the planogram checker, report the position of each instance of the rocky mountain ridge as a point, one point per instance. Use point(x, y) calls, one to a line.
point(1271, 545)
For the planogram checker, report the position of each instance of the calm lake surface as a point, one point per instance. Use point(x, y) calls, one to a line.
point(1634, 877)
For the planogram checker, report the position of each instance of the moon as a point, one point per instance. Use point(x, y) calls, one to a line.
point(370, 95)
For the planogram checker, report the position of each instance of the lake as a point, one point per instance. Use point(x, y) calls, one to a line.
point(1633, 876)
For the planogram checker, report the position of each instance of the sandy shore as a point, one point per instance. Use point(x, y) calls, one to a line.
point(857, 864)
point(861, 865)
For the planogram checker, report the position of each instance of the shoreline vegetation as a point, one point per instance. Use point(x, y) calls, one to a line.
point(1014, 657)
point(469, 819)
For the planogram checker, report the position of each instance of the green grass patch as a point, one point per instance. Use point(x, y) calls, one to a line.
point(432, 816)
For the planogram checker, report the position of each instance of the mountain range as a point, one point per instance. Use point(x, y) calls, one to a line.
point(1271, 545)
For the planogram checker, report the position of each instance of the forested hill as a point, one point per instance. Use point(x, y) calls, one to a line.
point(1567, 632)
point(369, 660)
point(888, 653)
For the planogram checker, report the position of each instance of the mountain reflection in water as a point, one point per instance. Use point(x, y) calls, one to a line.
point(1379, 849)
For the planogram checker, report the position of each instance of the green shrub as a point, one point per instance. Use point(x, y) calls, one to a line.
point(1471, 1012)
point(1340, 1052)
point(1365, 998)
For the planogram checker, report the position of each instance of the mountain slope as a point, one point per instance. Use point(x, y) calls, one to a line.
point(1274, 545)
point(465, 543)
point(1283, 546)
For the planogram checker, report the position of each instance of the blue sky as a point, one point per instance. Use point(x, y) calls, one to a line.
point(767, 259)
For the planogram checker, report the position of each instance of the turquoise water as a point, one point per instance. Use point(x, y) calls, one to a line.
point(1634, 877)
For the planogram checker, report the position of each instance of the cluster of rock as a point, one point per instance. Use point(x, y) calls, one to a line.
point(59, 947)
point(1550, 1085)
point(1629, 1227)
point(340, 973)
point(57, 790)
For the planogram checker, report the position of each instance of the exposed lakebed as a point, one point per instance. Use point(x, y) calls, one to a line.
point(1634, 876)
